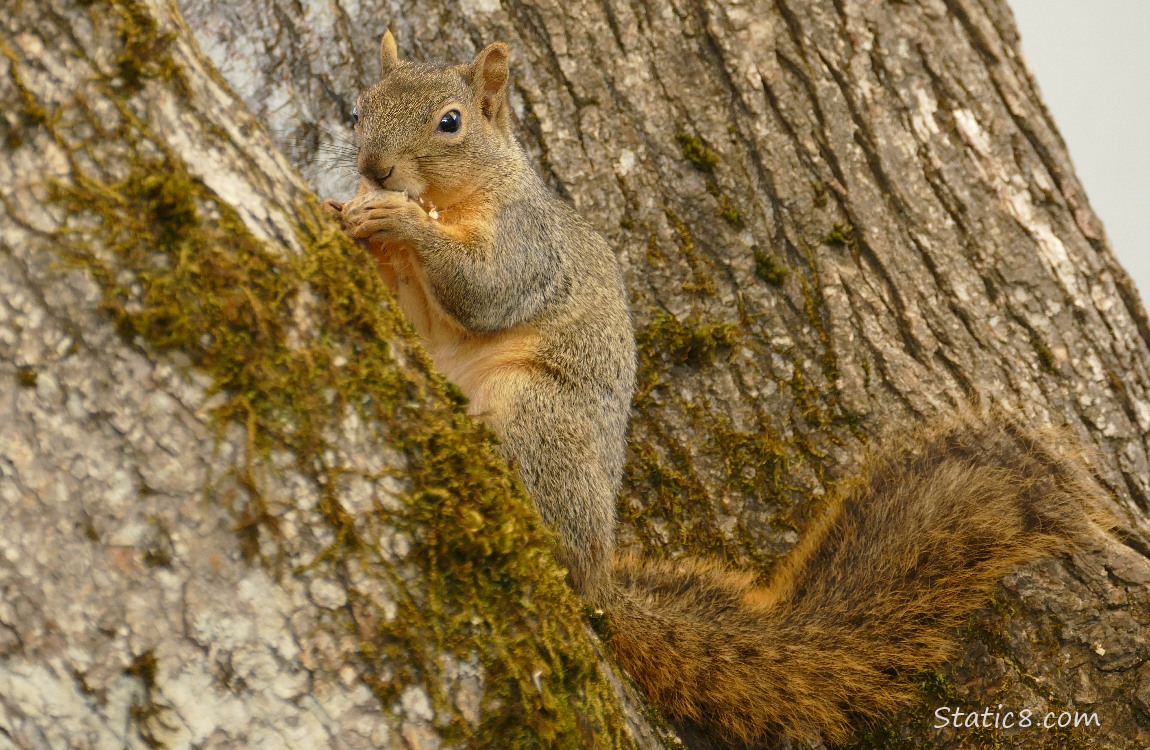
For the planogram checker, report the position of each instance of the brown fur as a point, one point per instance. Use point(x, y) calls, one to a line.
point(873, 592)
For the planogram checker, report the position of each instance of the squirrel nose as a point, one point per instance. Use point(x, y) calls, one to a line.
point(376, 173)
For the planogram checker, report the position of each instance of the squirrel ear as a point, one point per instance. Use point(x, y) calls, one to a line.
point(488, 76)
point(388, 53)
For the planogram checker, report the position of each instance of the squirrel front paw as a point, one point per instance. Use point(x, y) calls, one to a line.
point(333, 208)
point(384, 215)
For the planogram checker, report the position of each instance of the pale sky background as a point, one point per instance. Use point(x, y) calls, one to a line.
point(1092, 62)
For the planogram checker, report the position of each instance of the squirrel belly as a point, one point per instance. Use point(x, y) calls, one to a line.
point(491, 369)
point(521, 304)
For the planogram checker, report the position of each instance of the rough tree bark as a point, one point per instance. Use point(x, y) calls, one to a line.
point(835, 217)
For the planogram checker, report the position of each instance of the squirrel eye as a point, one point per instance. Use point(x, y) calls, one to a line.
point(450, 122)
point(355, 114)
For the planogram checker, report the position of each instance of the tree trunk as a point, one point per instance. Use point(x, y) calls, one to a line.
point(239, 509)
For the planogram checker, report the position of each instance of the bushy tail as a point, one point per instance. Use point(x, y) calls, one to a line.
point(900, 558)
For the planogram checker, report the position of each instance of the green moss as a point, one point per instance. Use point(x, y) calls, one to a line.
point(767, 268)
point(691, 342)
point(666, 502)
point(675, 492)
point(841, 235)
point(675, 515)
point(1046, 359)
point(32, 113)
point(990, 625)
point(206, 287)
point(754, 463)
point(729, 212)
point(26, 376)
point(937, 689)
point(910, 728)
point(878, 738)
point(144, 53)
point(701, 281)
point(654, 253)
point(696, 150)
point(818, 401)
point(671, 503)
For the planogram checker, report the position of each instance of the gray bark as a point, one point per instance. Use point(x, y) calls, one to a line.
point(835, 217)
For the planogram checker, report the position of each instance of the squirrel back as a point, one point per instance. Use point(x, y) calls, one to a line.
point(900, 557)
point(520, 303)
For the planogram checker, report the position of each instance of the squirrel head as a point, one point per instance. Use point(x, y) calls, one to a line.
point(438, 132)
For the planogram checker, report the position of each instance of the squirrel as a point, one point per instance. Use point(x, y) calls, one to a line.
point(521, 304)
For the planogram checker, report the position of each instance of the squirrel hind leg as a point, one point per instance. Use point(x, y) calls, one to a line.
point(553, 439)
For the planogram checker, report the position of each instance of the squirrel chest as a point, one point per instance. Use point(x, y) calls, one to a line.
point(489, 368)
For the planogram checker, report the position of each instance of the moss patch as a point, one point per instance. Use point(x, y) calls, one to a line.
point(840, 235)
point(692, 342)
point(730, 212)
point(698, 483)
point(701, 281)
point(696, 150)
point(935, 690)
point(26, 376)
point(30, 114)
point(144, 50)
point(914, 726)
point(767, 268)
point(1045, 356)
